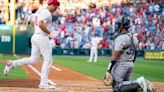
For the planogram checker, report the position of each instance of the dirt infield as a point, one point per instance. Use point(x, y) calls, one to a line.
point(66, 80)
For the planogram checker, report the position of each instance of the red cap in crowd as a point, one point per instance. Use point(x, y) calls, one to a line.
point(55, 2)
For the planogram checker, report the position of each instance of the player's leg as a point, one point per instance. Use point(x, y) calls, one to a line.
point(128, 74)
point(95, 55)
point(139, 85)
point(119, 72)
point(91, 55)
point(35, 53)
point(127, 86)
point(46, 52)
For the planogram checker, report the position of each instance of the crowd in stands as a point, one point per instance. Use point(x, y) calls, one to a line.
point(2, 12)
point(76, 27)
point(147, 23)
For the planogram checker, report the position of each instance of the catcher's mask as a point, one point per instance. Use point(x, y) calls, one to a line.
point(121, 22)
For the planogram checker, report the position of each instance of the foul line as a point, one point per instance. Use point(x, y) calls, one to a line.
point(53, 67)
point(37, 72)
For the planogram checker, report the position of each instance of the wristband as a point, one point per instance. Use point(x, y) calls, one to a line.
point(112, 64)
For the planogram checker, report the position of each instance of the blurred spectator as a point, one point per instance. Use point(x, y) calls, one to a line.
point(87, 45)
point(1, 21)
point(77, 25)
point(19, 10)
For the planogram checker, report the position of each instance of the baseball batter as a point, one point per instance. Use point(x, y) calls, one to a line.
point(123, 57)
point(40, 44)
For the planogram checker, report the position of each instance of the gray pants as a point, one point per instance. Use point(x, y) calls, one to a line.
point(122, 71)
point(127, 86)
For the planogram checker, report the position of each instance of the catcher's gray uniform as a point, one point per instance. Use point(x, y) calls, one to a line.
point(126, 43)
point(123, 56)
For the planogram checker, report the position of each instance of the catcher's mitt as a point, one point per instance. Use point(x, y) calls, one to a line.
point(108, 79)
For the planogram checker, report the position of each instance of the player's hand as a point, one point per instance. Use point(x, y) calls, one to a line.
point(53, 34)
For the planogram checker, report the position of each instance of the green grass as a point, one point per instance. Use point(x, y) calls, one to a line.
point(16, 73)
point(80, 64)
point(150, 69)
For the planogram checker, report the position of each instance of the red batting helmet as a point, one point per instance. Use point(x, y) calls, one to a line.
point(55, 2)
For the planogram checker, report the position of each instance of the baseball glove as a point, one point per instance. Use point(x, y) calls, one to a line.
point(108, 79)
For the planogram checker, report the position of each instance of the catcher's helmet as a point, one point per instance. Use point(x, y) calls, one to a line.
point(121, 22)
point(55, 2)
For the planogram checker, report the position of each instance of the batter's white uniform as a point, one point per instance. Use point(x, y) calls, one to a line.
point(94, 46)
point(40, 45)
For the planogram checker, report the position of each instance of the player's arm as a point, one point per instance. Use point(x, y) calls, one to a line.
point(116, 55)
point(136, 43)
point(43, 27)
point(117, 50)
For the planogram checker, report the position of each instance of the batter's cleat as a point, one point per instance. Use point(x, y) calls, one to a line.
point(51, 83)
point(9, 66)
point(47, 86)
point(142, 83)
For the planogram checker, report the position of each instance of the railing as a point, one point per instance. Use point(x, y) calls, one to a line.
point(86, 52)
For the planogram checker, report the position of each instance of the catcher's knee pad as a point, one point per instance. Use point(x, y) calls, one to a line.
point(127, 87)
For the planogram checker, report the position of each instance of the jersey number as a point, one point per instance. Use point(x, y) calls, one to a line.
point(131, 51)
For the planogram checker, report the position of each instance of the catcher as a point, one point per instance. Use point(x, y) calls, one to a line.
point(123, 56)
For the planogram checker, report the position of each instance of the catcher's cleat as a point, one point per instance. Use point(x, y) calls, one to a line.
point(9, 66)
point(108, 79)
point(142, 83)
point(150, 86)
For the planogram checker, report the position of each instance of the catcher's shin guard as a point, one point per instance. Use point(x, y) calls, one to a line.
point(128, 86)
